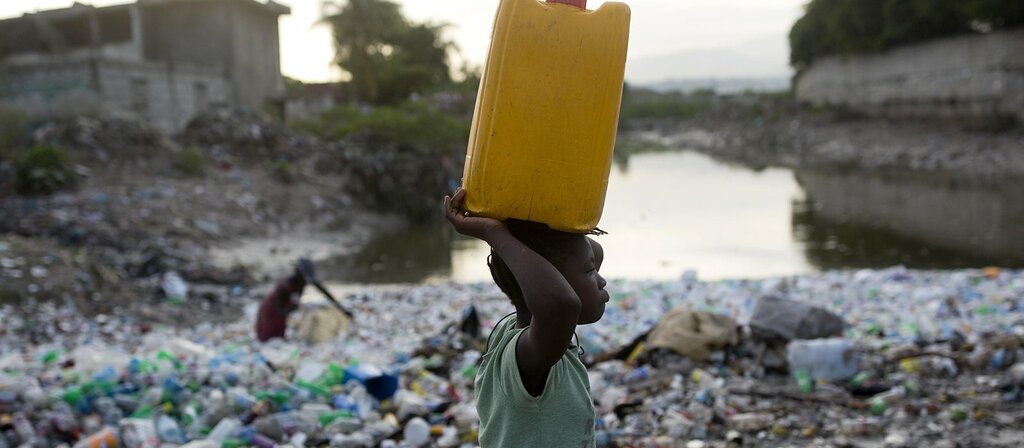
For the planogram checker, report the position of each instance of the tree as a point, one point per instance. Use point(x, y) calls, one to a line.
point(419, 60)
point(388, 57)
point(840, 27)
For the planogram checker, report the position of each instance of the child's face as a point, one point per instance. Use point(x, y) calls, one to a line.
point(580, 269)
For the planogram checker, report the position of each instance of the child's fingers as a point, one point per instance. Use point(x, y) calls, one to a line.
point(460, 197)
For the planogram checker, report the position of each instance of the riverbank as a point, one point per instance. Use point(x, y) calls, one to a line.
point(226, 207)
point(775, 132)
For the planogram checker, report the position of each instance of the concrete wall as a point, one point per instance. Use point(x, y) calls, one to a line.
point(187, 55)
point(166, 94)
point(239, 38)
point(256, 56)
point(38, 88)
point(962, 76)
point(188, 33)
point(970, 217)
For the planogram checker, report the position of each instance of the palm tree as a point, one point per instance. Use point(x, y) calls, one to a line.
point(365, 32)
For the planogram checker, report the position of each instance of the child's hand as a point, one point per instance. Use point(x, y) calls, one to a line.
point(474, 226)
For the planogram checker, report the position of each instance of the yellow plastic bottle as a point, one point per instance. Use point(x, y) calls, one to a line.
point(546, 116)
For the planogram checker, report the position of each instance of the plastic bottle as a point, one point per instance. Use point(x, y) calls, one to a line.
point(62, 419)
point(860, 428)
point(260, 409)
point(225, 429)
point(751, 422)
point(138, 433)
point(215, 409)
point(23, 428)
point(327, 417)
point(362, 399)
point(168, 430)
point(276, 426)
point(241, 400)
point(262, 441)
point(108, 410)
point(804, 383)
point(201, 444)
point(824, 359)
point(885, 400)
point(416, 432)
point(174, 287)
point(105, 438)
point(152, 397)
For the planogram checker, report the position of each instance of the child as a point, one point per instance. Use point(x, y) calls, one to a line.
point(532, 389)
point(272, 317)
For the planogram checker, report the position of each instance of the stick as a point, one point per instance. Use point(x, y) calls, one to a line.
point(333, 300)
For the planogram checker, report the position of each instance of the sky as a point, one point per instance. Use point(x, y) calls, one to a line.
point(669, 39)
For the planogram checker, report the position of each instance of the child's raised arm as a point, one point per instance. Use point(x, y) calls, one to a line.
point(553, 304)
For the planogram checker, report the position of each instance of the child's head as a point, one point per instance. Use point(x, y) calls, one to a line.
point(577, 257)
point(305, 273)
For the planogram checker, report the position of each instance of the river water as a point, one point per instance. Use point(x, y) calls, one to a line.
point(667, 213)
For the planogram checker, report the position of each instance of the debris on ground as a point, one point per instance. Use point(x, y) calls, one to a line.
point(939, 359)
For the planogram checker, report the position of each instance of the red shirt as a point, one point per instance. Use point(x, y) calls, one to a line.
point(272, 318)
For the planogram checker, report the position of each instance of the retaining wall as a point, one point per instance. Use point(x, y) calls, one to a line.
point(972, 76)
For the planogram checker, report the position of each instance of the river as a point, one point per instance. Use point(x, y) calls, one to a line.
point(667, 213)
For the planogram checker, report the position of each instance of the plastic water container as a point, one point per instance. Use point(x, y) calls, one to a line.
point(824, 359)
point(547, 113)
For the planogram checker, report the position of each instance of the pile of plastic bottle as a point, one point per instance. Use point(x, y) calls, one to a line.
point(101, 382)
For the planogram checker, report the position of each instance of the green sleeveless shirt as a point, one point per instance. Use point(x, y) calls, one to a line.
point(562, 416)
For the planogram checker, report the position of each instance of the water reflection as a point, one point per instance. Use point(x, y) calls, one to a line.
point(416, 253)
point(672, 211)
point(856, 219)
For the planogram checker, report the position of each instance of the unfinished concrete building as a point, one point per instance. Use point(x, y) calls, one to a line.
point(163, 60)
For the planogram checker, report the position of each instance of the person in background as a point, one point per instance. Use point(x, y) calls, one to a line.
point(272, 317)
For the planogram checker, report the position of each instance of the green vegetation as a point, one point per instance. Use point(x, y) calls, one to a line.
point(414, 125)
point(388, 57)
point(643, 103)
point(284, 172)
point(840, 27)
point(13, 126)
point(626, 147)
point(189, 161)
point(43, 170)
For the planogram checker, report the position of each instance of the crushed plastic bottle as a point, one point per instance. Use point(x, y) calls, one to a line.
point(824, 359)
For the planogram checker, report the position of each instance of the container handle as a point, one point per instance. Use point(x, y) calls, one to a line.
point(582, 4)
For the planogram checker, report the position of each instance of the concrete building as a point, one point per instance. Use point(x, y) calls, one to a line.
point(165, 60)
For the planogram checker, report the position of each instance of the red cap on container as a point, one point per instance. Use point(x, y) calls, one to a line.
point(577, 3)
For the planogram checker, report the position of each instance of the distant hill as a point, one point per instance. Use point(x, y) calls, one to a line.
point(721, 85)
point(762, 59)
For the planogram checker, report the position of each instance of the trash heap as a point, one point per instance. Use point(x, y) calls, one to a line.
point(104, 140)
point(247, 135)
point(920, 358)
point(868, 358)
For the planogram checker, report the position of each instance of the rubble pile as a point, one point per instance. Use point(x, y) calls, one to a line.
point(397, 179)
point(921, 358)
point(105, 140)
point(245, 136)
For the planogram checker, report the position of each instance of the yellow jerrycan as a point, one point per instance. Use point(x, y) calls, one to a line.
point(544, 127)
